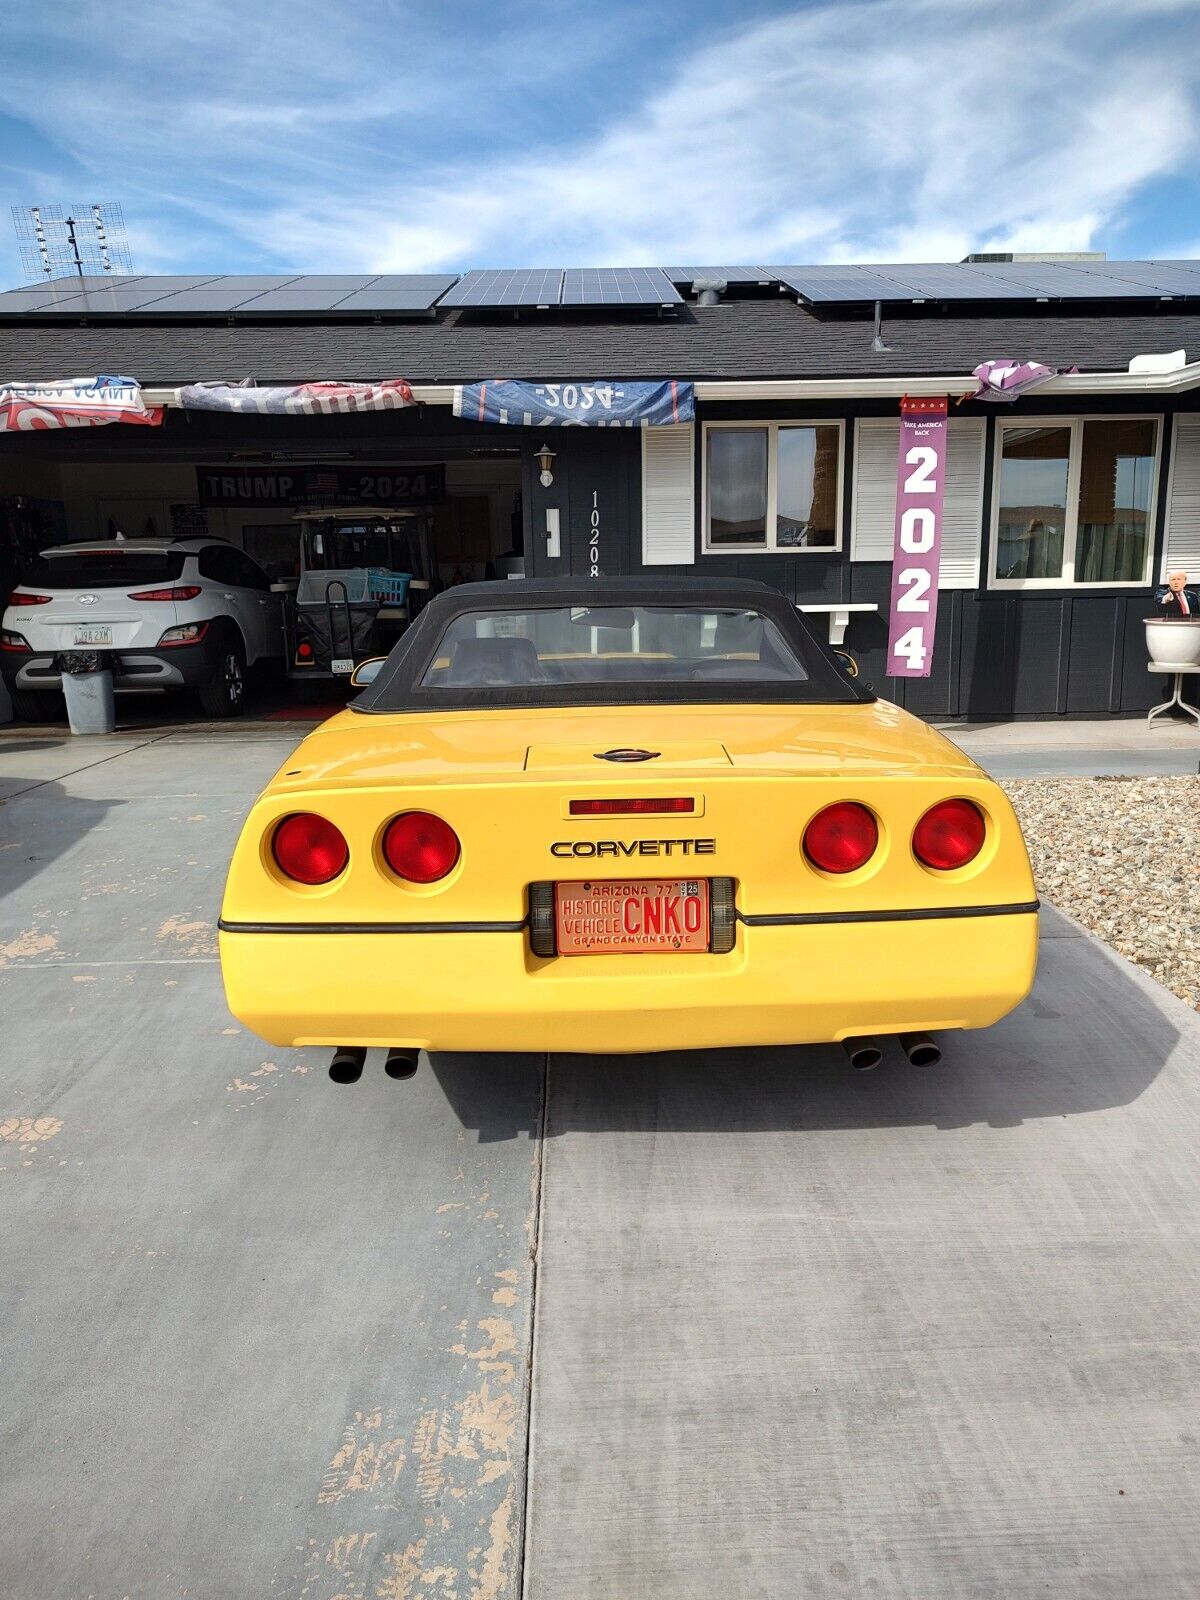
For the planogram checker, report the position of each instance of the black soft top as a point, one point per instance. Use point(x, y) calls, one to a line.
point(399, 685)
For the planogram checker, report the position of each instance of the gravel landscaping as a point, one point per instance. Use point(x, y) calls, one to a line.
point(1122, 856)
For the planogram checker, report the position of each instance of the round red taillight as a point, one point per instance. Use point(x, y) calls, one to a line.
point(420, 847)
point(949, 835)
point(308, 849)
point(841, 838)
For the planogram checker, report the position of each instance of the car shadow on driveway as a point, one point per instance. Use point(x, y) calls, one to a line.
point(1094, 1034)
point(38, 825)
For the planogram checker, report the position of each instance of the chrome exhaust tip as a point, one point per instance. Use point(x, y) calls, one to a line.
point(347, 1064)
point(401, 1062)
point(920, 1050)
point(863, 1054)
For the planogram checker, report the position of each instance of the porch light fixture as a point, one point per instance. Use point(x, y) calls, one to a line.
point(545, 460)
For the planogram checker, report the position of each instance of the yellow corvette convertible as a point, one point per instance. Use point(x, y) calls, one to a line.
point(623, 815)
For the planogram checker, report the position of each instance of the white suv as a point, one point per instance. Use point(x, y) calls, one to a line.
point(172, 613)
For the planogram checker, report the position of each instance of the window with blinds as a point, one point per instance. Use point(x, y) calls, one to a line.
point(1181, 551)
point(873, 504)
point(668, 496)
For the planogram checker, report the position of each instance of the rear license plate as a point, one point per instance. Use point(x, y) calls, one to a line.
point(93, 635)
point(342, 665)
point(632, 917)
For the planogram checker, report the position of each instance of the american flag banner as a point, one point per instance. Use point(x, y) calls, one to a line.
point(298, 400)
point(74, 403)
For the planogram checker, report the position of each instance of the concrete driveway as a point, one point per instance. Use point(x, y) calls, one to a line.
point(742, 1324)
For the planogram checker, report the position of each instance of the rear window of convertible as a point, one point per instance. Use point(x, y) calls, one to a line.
point(608, 644)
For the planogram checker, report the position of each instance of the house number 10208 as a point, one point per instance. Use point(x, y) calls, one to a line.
point(594, 536)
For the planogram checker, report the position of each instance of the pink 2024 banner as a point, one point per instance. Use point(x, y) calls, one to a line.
point(920, 491)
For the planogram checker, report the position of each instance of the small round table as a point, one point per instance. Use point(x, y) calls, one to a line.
point(1180, 673)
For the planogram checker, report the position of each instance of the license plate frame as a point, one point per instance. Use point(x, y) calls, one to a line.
point(633, 916)
point(342, 666)
point(92, 634)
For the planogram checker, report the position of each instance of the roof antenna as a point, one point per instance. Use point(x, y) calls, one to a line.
point(85, 241)
point(877, 342)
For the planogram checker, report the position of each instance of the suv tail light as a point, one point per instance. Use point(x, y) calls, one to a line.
point(182, 591)
point(420, 847)
point(22, 597)
point(14, 641)
point(949, 835)
point(841, 838)
point(309, 849)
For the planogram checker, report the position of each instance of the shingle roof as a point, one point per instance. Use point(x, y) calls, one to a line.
point(735, 339)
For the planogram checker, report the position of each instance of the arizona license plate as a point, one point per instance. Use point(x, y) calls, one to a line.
point(342, 665)
point(629, 917)
point(93, 635)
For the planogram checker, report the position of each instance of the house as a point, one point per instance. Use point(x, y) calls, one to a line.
point(1063, 510)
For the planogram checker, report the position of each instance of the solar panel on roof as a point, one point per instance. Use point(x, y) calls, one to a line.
point(95, 280)
point(991, 280)
point(54, 291)
point(130, 295)
point(524, 286)
point(729, 275)
point(618, 286)
point(948, 281)
point(314, 291)
point(1176, 278)
point(1180, 270)
point(1060, 280)
point(410, 291)
point(842, 284)
point(223, 294)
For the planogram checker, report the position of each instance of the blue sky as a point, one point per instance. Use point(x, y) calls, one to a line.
point(377, 135)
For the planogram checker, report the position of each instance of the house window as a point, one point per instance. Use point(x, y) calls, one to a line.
point(1074, 502)
point(772, 486)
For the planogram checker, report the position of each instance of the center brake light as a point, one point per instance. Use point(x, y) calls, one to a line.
point(184, 591)
point(640, 807)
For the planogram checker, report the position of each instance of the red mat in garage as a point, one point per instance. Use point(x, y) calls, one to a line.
point(305, 713)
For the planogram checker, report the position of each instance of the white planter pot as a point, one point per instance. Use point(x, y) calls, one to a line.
point(1174, 644)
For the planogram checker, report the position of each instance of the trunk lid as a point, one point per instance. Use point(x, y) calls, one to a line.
point(877, 739)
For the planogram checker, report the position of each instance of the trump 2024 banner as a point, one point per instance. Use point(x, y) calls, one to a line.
point(920, 490)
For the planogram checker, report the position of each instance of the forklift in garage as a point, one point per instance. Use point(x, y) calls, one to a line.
point(364, 574)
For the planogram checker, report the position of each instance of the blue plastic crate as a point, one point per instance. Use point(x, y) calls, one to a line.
point(388, 585)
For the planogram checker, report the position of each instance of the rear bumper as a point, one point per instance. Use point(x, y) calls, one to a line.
point(486, 991)
point(178, 667)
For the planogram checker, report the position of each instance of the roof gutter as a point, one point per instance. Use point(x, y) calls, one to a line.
point(1080, 383)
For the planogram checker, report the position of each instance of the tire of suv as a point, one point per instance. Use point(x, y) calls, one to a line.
point(37, 705)
point(224, 695)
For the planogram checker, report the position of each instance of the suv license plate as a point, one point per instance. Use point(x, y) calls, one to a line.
point(93, 635)
point(632, 916)
point(342, 665)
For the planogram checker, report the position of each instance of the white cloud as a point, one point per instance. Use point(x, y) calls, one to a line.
point(910, 129)
point(848, 130)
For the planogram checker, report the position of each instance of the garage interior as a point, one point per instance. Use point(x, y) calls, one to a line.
point(453, 500)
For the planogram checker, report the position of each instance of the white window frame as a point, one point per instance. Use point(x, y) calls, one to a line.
point(1067, 579)
point(772, 427)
